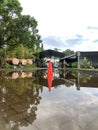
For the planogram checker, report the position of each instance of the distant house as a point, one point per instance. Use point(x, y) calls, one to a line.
point(52, 55)
point(68, 60)
point(79, 57)
point(92, 56)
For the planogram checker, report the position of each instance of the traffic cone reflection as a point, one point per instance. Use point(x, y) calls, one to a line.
point(49, 75)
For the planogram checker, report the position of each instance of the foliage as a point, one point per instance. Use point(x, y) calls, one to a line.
point(68, 52)
point(30, 66)
point(7, 65)
point(20, 52)
point(9, 11)
point(56, 49)
point(85, 77)
point(74, 65)
point(86, 63)
point(18, 33)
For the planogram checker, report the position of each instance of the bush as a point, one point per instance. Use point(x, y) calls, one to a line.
point(7, 65)
point(74, 65)
point(86, 64)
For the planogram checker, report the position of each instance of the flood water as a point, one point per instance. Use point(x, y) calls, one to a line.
point(28, 103)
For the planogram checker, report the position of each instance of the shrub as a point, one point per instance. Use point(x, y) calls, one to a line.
point(86, 64)
point(74, 65)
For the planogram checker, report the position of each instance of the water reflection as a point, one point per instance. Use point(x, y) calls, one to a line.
point(82, 79)
point(26, 104)
point(19, 98)
point(49, 75)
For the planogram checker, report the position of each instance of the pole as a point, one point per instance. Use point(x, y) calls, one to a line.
point(78, 54)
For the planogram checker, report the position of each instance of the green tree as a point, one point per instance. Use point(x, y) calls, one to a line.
point(17, 29)
point(20, 52)
point(68, 52)
point(56, 49)
point(9, 11)
point(18, 33)
point(42, 47)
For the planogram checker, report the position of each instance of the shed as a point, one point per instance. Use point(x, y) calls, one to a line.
point(50, 53)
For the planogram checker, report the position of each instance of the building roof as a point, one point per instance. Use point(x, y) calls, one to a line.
point(68, 57)
point(49, 53)
point(91, 54)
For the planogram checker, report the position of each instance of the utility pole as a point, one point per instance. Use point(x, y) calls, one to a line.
point(78, 54)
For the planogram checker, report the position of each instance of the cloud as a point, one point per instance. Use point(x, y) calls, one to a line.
point(92, 27)
point(61, 18)
point(63, 43)
point(65, 25)
point(58, 113)
point(52, 42)
point(95, 41)
point(77, 39)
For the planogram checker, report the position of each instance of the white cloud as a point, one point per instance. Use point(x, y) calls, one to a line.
point(65, 105)
point(64, 18)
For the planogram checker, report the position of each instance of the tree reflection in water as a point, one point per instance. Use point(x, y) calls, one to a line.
point(20, 94)
point(19, 98)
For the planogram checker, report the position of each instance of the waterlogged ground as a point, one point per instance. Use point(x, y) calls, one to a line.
point(28, 103)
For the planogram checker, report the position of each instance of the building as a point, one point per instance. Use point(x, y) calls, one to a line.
point(79, 57)
point(52, 55)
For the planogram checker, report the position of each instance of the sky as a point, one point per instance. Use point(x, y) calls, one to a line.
point(65, 24)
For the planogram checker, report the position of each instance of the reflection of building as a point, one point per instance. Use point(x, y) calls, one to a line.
point(69, 79)
point(19, 98)
point(56, 82)
point(61, 77)
point(88, 80)
point(82, 79)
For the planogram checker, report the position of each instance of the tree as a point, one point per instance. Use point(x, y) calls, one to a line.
point(20, 52)
point(56, 49)
point(42, 47)
point(17, 29)
point(68, 52)
point(9, 11)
